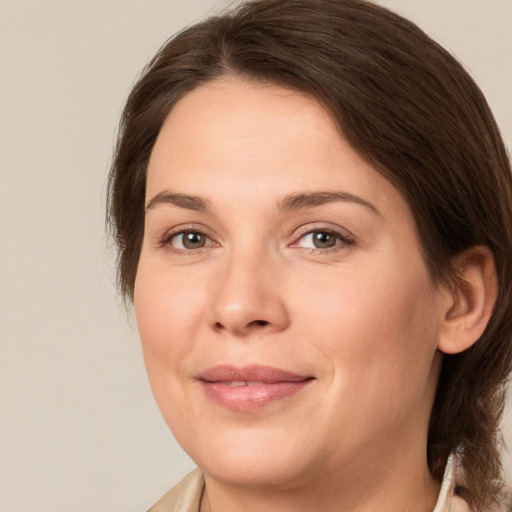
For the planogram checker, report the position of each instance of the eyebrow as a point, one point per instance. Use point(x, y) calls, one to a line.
point(181, 200)
point(291, 202)
point(303, 200)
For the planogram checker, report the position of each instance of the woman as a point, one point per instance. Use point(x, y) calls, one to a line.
point(312, 205)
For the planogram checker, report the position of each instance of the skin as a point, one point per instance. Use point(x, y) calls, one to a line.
point(362, 317)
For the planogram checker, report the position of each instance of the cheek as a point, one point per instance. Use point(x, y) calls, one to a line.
point(168, 311)
point(377, 326)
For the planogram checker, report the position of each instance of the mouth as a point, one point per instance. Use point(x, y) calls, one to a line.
point(250, 387)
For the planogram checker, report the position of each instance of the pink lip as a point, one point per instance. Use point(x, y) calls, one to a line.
point(265, 385)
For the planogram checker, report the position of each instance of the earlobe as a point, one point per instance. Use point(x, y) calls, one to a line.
point(470, 303)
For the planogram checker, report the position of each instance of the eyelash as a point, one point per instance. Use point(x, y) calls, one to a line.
point(344, 240)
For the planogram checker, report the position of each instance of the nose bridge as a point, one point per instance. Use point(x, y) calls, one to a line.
point(247, 296)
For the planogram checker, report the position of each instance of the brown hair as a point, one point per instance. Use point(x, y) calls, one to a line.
point(409, 108)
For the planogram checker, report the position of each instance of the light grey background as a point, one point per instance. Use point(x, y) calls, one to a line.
point(78, 427)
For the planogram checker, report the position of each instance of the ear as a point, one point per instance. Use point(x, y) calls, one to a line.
point(469, 304)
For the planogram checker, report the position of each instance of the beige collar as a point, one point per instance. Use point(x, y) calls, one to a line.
point(448, 501)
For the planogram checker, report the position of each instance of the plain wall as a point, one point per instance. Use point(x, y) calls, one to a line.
point(78, 427)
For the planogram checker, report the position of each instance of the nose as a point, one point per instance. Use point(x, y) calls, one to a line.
point(248, 297)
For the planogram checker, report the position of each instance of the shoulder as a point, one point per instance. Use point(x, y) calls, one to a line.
point(184, 497)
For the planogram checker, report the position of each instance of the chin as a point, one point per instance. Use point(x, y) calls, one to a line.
point(251, 458)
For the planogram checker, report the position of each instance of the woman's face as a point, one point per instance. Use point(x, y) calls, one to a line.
point(288, 322)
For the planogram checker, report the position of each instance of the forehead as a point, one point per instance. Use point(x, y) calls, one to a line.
point(242, 141)
point(235, 120)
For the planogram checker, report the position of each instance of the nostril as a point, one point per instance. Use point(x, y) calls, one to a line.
point(260, 323)
point(254, 323)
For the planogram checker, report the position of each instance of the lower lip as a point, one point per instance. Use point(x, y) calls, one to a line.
point(247, 398)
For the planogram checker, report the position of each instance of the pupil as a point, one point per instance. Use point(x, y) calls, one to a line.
point(193, 240)
point(323, 239)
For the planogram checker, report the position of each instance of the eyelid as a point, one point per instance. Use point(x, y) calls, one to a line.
point(324, 226)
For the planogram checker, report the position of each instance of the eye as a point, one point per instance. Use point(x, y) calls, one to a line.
point(323, 239)
point(189, 240)
point(319, 240)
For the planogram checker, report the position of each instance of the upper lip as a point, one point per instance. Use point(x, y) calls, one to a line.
point(251, 373)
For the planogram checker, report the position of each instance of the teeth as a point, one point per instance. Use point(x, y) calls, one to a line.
point(238, 383)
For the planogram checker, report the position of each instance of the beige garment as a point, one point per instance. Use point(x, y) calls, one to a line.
point(186, 496)
point(447, 501)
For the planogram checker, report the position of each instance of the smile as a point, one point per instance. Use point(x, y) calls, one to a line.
point(251, 387)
